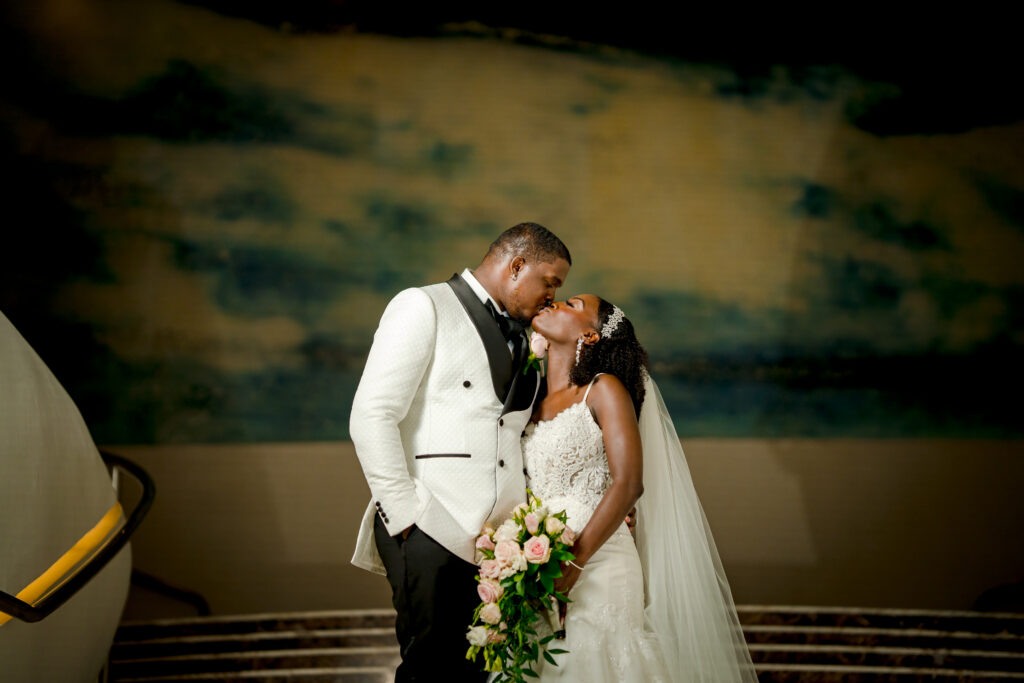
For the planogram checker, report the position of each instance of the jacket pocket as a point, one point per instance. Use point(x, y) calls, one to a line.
point(442, 455)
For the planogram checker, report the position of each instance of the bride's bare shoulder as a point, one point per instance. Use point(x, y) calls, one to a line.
point(608, 391)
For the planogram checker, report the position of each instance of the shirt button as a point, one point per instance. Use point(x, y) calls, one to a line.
point(501, 422)
point(467, 384)
point(524, 470)
point(501, 463)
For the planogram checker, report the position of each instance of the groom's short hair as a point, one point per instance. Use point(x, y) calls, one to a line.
point(533, 241)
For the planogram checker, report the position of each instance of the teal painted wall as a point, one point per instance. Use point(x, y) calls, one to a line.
point(206, 217)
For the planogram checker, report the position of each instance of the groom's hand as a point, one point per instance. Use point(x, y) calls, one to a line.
point(405, 532)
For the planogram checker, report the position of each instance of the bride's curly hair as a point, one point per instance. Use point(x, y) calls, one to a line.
point(619, 354)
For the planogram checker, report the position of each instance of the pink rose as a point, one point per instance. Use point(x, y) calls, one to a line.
point(539, 345)
point(537, 549)
point(490, 613)
point(490, 569)
point(532, 522)
point(506, 551)
point(489, 590)
point(485, 542)
point(495, 636)
point(568, 536)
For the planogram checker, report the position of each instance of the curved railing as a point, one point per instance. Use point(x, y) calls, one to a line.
point(70, 585)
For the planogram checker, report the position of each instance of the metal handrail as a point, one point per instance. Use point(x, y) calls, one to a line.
point(19, 609)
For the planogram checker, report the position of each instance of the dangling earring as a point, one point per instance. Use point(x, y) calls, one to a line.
point(579, 347)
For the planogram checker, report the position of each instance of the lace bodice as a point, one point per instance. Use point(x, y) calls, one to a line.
point(566, 465)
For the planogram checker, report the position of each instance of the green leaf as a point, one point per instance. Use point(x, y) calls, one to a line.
point(556, 651)
point(548, 657)
point(553, 569)
point(531, 673)
point(547, 639)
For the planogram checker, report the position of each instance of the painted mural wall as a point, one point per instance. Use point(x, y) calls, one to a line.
point(206, 217)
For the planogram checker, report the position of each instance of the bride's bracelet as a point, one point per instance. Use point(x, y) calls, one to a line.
point(575, 565)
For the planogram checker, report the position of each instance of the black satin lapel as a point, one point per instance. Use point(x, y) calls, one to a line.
point(523, 390)
point(487, 328)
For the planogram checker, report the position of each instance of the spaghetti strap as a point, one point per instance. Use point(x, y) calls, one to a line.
point(587, 393)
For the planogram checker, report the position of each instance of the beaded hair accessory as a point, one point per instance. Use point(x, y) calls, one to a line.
point(613, 321)
point(610, 326)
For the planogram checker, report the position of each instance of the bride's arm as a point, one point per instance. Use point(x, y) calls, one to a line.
point(613, 409)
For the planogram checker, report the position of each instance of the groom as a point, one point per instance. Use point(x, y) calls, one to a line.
point(436, 422)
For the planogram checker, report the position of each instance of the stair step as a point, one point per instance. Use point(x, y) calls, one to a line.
point(250, 623)
point(809, 673)
point(232, 662)
point(874, 637)
point(169, 646)
point(892, 657)
point(975, 622)
point(321, 675)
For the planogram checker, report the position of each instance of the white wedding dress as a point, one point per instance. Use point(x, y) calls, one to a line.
point(659, 609)
point(605, 632)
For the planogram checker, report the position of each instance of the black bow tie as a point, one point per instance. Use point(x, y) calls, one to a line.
point(510, 327)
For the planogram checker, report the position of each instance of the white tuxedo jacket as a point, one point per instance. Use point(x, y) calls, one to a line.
point(437, 418)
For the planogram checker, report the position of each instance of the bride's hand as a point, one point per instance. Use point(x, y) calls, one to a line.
point(570, 575)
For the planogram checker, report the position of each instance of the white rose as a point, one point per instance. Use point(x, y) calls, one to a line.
point(509, 531)
point(477, 635)
point(541, 512)
point(553, 525)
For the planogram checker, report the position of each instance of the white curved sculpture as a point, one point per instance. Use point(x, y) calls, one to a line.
point(54, 491)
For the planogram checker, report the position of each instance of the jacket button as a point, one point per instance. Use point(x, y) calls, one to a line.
point(524, 471)
point(501, 463)
point(501, 422)
point(378, 504)
point(467, 384)
point(523, 434)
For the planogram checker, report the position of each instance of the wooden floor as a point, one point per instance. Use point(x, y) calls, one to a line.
point(787, 644)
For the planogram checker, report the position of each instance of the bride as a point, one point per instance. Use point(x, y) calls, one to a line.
point(600, 442)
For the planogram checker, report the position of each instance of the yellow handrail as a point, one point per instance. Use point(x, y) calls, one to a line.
point(86, 545)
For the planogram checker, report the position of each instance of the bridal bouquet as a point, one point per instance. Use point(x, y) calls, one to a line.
point(519, 562)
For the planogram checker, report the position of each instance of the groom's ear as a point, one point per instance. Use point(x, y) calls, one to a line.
point(515, 266)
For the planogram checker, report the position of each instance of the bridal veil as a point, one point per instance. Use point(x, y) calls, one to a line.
point(688, 603)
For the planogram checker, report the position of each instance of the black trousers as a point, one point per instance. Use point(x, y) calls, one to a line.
point(434, 593)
